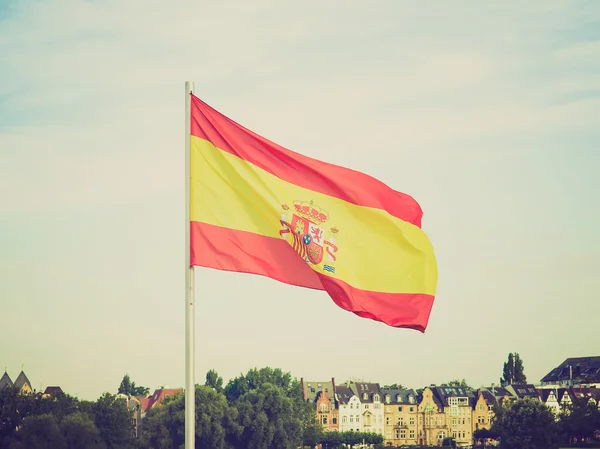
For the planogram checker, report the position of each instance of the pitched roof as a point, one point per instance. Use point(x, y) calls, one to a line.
point(312, 390)
point(395, 396)
point(584, 392)
point(443, 393)
point(584, 369)
point(52, 390)
point(365, 391)
point(498, 392)
point(488, 397)
point(160, 395)
point(343, 393)
point(5, 381)
point(523, 390)
point(144, 402)
point(22, 380)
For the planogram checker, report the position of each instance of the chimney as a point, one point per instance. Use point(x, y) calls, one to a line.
point(571, 374)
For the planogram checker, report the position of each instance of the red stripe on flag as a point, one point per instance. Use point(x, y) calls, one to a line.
point(239, 251)
point(333, 180)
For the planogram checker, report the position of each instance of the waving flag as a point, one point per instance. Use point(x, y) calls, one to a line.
point(256, 207)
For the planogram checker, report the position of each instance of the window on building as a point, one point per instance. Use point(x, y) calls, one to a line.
point(334, 420)
point(365, 396)
point(388, 399)
point(351, 418)
point(387, 420)
point(480, 407)
point(324, 419)
point(412, 409)
point(375, 397)
point(399, 409)
point(344, 419)
point(412, 434)
point(441, 435)
point(412, 421)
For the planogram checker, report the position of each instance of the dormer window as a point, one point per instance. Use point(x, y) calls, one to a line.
point(365, 396)
point(387, 399)
point(411, 399)
point(376, 398)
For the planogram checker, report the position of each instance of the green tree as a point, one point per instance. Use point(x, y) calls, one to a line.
point(129, 387)
point(14, 407)
point(458, 384)
point(580, 419)
point(508, 372)
point(213, 380)
point(524, 424)
point(216, 422)
point(38, 432)
point(312, 432)
point(242, 384)
point(394, 387)
point(267, 418)
point(80, 432)
point(513, 371)
point(114, 421)
point(58, 405)
point(519, 372)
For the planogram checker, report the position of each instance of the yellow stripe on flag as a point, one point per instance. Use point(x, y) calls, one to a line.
point(376, 251)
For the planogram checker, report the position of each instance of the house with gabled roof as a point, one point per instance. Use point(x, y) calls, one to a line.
point(483, 410)
point(371, 406)
point(522, 391)
point(322, 396)
point(551, 398)
point(349, 408)
point(51, 391)
point(457, 403)
point(432, 427)
point(5, 381)
point(23, 384)
point(583, 372)
point(400, 416)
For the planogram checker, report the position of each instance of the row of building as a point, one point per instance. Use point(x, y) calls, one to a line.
point(139, 405)
point(404, 416)
point(23, 384)
point(428, 416)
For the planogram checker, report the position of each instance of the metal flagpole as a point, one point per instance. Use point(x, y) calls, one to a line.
point(190, 389)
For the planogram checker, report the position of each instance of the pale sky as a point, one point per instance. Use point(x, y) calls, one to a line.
point(488, 114)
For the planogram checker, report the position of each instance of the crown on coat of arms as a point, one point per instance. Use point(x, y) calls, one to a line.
point(310, 211)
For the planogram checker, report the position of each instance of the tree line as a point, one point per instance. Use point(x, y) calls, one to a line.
point(30, 421)
point(262, 409)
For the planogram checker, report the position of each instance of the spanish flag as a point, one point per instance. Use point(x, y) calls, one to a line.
point(256, 207)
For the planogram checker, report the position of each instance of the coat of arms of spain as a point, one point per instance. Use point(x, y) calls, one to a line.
point(305, 230)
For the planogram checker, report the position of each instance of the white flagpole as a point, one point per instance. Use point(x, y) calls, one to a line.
point(190, 388)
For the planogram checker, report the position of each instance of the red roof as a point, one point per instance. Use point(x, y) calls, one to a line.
point(158, 396)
